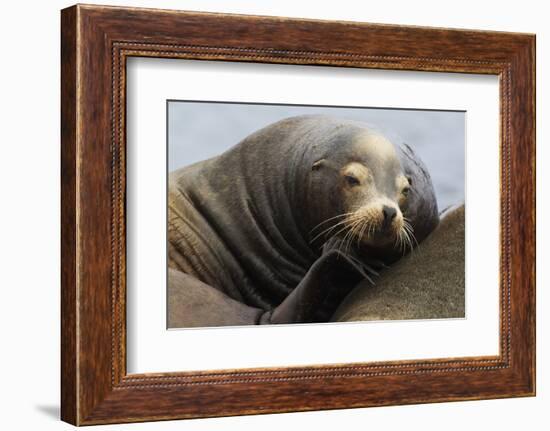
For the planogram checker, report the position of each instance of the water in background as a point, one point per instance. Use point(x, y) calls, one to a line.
point(197, 131)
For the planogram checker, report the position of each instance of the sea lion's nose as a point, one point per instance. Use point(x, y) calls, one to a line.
point(389, 214)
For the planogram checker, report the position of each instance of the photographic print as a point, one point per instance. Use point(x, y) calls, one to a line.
point(285, 214)
point(301, 202)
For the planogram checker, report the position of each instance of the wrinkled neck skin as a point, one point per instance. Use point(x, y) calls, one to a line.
point(253, 201)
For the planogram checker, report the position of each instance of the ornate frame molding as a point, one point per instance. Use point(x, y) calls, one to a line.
point(96, 41)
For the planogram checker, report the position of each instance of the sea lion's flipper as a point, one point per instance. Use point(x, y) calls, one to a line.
point(370, 266)
point(194, 304)
point(325, 285)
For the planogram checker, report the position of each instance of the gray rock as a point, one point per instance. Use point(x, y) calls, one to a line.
point(426, 284)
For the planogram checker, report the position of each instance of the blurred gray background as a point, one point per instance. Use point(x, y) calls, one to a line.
point(199, 130)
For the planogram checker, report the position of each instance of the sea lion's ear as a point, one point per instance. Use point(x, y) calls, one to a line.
point(317, 165)
point(409, 179)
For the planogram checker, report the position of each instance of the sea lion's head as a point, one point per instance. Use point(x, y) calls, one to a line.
point(363, 192)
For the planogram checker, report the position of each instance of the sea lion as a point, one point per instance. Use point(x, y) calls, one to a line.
point(428, 284)
point(281, 227)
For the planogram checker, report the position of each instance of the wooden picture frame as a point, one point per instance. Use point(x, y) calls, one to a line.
point(95, 43)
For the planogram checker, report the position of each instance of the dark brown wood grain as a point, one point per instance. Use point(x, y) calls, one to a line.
point(96, 41)
point(68, 216)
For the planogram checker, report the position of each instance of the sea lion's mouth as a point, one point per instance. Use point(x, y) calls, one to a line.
point(383, 235)
point(371, 230)
point(366, 227)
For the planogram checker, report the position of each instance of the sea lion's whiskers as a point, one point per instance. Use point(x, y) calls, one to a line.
point(366, 225)
point(343, 229)
point(410, 232)
point(356, 230)
point(358, 236)
point(341, 242)
point(360, 231)
point(329, 229)
point(407, 241)
point(400, 242)
point(411, 246)
point(371, 229)
point(329, 219)
point(349, 234)
point(407, 238)
point(403, 234)
point(353, 222)
point(397, 241)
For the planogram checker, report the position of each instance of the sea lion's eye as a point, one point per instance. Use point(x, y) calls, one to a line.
point(351, 180)
point(405, 191)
